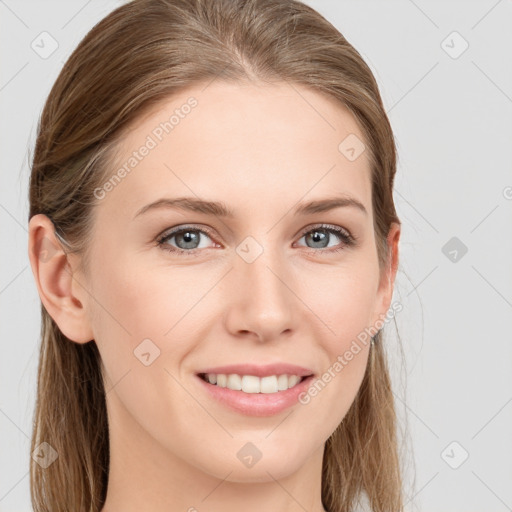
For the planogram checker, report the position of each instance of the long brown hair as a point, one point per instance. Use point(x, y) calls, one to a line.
point(141, 53)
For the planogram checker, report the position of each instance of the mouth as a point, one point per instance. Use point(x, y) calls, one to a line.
point(252, 395)
point(252, 384)
point(255, 389)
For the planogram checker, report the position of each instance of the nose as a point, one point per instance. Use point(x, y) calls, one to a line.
point(261, 302)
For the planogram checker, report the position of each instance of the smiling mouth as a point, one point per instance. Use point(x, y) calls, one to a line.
point(252, 383)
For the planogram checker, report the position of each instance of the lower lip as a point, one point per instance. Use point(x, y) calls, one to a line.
point(256, 404)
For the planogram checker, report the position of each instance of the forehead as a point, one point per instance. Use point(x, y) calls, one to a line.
point(242, 143)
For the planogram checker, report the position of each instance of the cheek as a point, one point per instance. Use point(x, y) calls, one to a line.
point(144, 301)
point(344, 305)
point(342, 299)
point(140, 310)
point(144, 326)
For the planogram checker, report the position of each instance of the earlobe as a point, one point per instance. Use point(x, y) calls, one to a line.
point(53, 275)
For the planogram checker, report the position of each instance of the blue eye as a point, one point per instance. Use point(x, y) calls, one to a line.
point(321, 236)
point(188, 239)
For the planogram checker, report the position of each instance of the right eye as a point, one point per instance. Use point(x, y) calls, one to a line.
point(187, 239)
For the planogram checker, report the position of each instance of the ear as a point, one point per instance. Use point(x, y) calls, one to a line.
point(387, 279)
point(53, 273)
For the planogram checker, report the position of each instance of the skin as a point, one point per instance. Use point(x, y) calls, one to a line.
point(260, 149)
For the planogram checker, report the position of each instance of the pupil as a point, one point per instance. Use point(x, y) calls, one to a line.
point(319, 236)
point(190, 238)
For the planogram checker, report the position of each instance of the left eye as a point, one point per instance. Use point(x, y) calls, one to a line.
point(321, 236)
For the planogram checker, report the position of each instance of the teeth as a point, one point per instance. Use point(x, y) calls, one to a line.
point(292, 380)
point(269, 384)
point(282, 382)
point(250, 384)
point(253, 384)
point(234, 382)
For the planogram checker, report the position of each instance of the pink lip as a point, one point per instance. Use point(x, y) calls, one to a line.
point(256, 404)
point(260, 370)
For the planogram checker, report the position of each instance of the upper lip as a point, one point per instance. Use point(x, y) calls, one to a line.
point(259, 370)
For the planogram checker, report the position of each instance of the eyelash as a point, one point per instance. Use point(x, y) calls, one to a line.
point(348, 239)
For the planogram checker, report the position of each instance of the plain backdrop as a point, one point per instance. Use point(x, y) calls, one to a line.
point(444, 69)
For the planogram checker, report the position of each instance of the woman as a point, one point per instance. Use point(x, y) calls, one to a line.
point(214, 240)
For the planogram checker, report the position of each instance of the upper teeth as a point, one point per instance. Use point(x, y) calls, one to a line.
point(253, 384)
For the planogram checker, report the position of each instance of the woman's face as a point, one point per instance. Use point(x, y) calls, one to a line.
point(264, 285)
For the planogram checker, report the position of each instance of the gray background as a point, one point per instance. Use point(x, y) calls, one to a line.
point(451, 113)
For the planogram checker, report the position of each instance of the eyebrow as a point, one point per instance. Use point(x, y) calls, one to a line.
point(219, 209)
